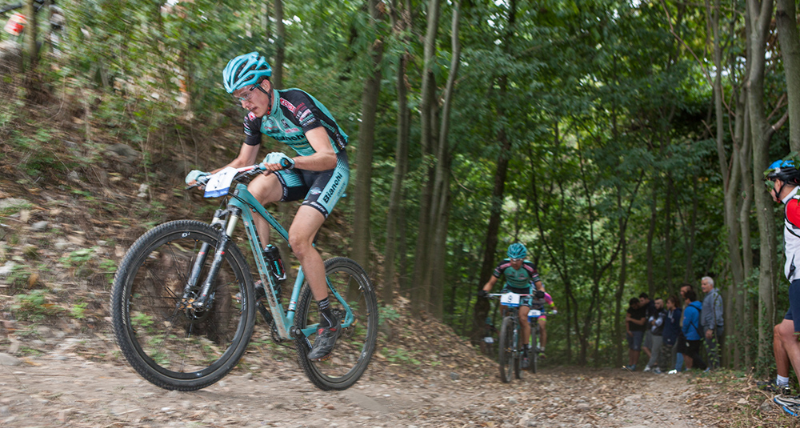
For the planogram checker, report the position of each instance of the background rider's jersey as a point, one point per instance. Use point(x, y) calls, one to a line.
point(517, 278)
point(293, 113)
point(791, 235)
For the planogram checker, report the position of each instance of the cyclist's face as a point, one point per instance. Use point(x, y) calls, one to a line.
point(254, 99)
point(516, 263)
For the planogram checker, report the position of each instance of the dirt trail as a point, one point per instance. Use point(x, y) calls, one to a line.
point(62, 388)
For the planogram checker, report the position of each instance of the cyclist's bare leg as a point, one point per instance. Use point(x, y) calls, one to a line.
point(301, 237)
point(781, 357)
point(526, 326)
point(543, 330)
point(266, 189)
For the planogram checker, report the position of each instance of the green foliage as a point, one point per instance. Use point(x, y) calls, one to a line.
point(78, 311)
point(33, 306)
point(401, 355)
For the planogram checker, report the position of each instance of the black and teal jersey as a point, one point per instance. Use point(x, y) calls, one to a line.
point(517, 278)
point(293, 113)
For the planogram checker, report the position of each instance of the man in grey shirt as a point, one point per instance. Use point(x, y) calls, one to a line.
point(712, 321)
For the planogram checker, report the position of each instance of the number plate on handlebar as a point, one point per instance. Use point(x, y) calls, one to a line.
point(220, 183)
point(510, 299)
point(535, 313)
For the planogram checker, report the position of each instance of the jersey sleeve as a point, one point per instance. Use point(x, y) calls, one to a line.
point(548, 299)
point(306, 112)
point(793, 212)
point(499, 269)
point(252, 130)
point(532, 272)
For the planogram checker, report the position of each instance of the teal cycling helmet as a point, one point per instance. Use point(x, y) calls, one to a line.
point(517, 251)
point(245, 70)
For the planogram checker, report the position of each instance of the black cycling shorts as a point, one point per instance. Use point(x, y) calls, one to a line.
point(321, 189)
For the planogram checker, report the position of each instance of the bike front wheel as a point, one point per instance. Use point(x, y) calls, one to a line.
point(533, 353)
point(164, 339)
point(507, 349)
point(357, 342)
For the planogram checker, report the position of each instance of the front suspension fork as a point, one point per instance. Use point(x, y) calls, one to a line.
point(202, 301)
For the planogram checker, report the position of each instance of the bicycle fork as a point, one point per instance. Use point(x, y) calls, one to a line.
point(203, 300)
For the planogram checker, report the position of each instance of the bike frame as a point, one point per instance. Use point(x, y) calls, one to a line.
point(242, 205)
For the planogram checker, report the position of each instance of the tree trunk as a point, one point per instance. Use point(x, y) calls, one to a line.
point(730, 179)
point(280, 45)
point(789, 38)
point(31, 29)
point(668, 233)
point(440, 211)
point(400, 168)
point(419, 294)
point(366, 140)
point(760, 15)
point(623, 271)
point(651, 231)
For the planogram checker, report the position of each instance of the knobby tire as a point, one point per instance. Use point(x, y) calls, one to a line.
point(170, 346)
point(356, 344)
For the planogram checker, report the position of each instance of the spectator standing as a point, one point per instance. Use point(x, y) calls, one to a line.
point(712, 322)
point(635, 327)
point(672, 328)
point(680, 345)
point(649, 310)
point(655, 323)
point(692, 332)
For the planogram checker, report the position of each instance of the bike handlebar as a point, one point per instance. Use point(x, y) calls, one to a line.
point(245, 171)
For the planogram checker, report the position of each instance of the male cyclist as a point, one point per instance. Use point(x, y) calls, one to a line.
point(783, 179)
point(520, 274)
point(318, 174)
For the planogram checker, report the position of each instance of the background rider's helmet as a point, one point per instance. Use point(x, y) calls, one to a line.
point(517, 251)
point(783, 170)
point(245, 70)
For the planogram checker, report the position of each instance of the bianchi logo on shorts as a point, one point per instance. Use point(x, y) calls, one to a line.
point(315, 191)
point(336, 181)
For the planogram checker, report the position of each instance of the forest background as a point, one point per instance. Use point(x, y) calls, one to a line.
point(623, 142)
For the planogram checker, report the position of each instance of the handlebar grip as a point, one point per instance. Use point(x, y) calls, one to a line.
point(285, 163)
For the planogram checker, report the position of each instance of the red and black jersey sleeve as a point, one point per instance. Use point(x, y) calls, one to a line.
point(252, 129)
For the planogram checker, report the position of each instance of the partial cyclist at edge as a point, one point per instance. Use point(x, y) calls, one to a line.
point(318, 174)
point(519, 274)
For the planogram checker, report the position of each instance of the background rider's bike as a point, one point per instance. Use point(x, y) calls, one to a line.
point(184, 301)
point(510, 340)
point(533, 319)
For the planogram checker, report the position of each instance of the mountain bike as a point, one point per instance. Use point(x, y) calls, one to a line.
point(533, 319)
point(510, 343)
point(184, 301)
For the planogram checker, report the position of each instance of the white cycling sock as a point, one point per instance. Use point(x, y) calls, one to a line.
point(782, 381)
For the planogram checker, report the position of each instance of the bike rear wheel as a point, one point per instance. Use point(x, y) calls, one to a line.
point(356, 343)
point(506, 346)
point(164, 340)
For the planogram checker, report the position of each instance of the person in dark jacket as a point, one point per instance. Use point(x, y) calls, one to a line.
point(672, 326)
point(635, 326)
point(692, 332)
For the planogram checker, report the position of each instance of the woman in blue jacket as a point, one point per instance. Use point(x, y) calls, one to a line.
point(691, 330)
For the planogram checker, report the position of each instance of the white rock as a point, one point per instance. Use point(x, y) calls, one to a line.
point(8, 360)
